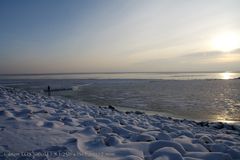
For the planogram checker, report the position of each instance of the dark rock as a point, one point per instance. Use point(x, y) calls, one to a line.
point(218, 125)
point(111, 107)
point(139, 112)
point(203, 124)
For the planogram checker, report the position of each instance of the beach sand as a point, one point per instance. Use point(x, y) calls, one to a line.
point(34, 126)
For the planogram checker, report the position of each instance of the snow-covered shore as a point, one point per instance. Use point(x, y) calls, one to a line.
point(34, 126)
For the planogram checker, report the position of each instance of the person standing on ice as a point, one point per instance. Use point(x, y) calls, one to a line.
point(49, 91)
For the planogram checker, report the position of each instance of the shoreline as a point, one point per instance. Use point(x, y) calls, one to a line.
point(169, 115)
point(132, 110)
point(148, 112)
point(34, 123)
point(195, 99)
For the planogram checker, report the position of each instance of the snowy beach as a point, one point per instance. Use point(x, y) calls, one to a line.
point(34, 126)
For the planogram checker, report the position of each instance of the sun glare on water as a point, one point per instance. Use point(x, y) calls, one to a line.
point(226, 42)
point(227, 75)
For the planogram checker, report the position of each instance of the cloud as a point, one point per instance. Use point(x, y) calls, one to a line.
point(236, 51)
point(209, 54)
point(201, 54)
point(197, 61)
point(211, 58)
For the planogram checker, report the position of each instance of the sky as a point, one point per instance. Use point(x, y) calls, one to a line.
point(69, 36)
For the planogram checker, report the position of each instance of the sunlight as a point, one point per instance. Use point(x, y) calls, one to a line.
point(226, 42)
point(227, 75)
point(224, 119)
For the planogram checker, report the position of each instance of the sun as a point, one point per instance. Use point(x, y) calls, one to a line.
point(226, 42)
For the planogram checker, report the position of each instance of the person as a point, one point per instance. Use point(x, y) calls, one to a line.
point(49, 91)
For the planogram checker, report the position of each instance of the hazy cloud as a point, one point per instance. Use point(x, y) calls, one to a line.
point(209, 54)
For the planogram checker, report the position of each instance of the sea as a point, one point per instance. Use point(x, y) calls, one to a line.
point(203, 96)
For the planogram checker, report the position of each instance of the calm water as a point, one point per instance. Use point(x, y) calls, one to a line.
point(200, 96)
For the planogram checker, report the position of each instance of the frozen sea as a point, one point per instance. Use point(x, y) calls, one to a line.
point(197, 96)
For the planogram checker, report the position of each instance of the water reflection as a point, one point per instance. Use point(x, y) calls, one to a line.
point(227, 75)
point(226, 119)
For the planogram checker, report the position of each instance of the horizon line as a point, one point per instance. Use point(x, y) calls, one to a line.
point(120, 72)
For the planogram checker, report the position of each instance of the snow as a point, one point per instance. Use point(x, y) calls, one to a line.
point(167, 153)
point(34, 126)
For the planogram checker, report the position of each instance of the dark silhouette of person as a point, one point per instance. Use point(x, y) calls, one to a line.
point(49, 91)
